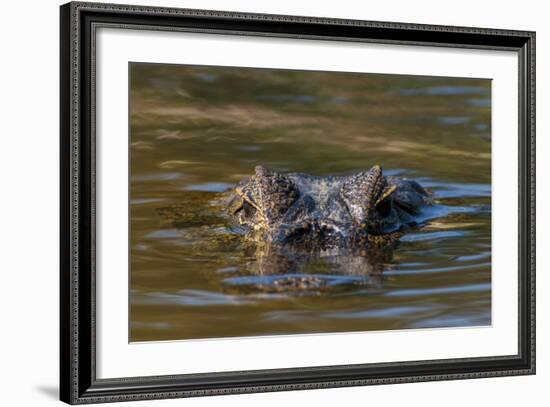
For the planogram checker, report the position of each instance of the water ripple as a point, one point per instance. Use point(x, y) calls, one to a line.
point(420, 237)
point(390, 312)
point(209, 187)
point(191, 297)
point(142, 201)
point(470, 288)
point(454, 121)
point(401, 272)
point(456, 190)
point(444, 91)
point(326, 280)
point(160, 176)
point(164, 234)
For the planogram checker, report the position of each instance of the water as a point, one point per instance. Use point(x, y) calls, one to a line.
point(196, 131)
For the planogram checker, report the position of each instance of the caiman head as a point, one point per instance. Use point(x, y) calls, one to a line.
point(322, 212)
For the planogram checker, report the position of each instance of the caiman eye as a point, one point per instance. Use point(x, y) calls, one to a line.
point(248, 210)
point(235, 204)
point(384, 202)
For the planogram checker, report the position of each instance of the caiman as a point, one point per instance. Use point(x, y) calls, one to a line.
point(354, 212)
point(350, 223)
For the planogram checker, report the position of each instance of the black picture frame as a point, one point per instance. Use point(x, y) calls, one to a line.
point(78, 382)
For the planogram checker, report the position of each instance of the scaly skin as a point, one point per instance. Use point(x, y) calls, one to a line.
point(359, 211)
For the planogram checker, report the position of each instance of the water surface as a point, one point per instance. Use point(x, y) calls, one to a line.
point(196, 131)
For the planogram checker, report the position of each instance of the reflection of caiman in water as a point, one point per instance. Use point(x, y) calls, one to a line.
point(297, 225)
point(350, 221)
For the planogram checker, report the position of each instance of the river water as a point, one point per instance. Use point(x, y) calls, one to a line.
point(196, 131)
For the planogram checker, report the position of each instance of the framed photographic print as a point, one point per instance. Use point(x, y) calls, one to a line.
point(256, 203)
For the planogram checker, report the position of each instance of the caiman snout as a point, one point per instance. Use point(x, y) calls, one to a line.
point(317, 230)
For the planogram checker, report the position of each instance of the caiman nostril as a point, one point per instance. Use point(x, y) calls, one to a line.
point(292, 231)
point(295, 231)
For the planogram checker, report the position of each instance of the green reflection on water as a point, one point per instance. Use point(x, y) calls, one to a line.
point(196, 131)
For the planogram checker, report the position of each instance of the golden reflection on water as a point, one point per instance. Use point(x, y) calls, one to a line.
point(196, 131)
